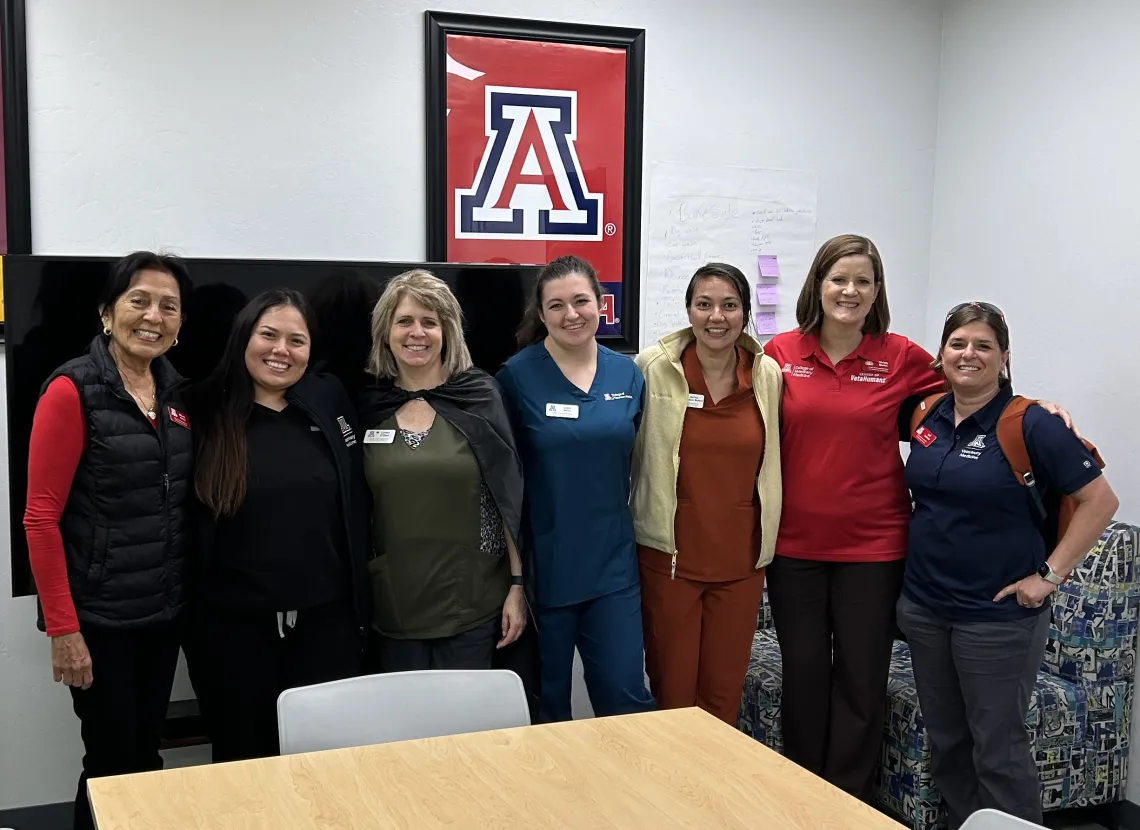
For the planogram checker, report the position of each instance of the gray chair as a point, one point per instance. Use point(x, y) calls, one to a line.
point(400, 706)
point(997, 820)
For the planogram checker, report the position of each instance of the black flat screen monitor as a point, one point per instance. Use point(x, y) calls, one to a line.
point(50, 309)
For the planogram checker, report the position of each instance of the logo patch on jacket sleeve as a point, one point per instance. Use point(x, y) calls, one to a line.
point(178, 417)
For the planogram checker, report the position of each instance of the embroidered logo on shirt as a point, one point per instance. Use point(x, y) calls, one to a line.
point(979, 443)
point(798, 371)
point(346, 431)
point(617, 396)
point(880, 366)
point(868, 379)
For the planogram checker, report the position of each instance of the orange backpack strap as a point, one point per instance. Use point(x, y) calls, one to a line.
point(923, 410)
point(1011, 439)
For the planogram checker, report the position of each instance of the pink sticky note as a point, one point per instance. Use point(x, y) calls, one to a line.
point(765, 322)
point(768, 265)
point(767, 295)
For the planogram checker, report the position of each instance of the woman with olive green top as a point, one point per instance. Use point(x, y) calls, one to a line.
point(447, 488)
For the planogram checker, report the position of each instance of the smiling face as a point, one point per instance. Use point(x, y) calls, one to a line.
point(145, 320)
point(848, 290)
point(972, 359)
point(716, 314)
point(278, 350)
point(416, 336)
point(570, 310)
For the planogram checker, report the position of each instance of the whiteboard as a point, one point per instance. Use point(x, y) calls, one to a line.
point(700, 214)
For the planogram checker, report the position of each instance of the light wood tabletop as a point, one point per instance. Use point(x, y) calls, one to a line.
point(678, 768)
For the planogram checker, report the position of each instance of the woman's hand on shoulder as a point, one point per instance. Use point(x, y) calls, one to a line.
point(1062, 413)
point(71, 661)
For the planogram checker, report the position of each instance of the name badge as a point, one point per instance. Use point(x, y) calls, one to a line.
point(379, 436)
point(924, 436)
point(696, 401)
point(562, 410)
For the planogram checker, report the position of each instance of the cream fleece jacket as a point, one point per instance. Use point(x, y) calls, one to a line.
point(656, 459)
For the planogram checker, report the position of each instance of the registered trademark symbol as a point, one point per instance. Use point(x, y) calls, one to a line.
point(610, 228)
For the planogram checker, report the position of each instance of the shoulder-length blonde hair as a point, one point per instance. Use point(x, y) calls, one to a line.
point(809, 307)
point(433, 294)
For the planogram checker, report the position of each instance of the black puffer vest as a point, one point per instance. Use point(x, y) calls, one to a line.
point(125, 523)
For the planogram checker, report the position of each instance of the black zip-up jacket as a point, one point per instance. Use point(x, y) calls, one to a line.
point(324, 401)
point(125, 524)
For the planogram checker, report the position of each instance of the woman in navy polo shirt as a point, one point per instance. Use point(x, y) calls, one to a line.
point(576, 407)
point(978, 576)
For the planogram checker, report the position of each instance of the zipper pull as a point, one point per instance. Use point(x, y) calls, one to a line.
point(166, 482)
point(673, 567)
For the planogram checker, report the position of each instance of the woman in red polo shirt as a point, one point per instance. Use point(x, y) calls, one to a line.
point(838, 567)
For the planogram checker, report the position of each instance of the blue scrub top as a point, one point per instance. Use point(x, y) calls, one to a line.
point(576, 472)
point(974, 530)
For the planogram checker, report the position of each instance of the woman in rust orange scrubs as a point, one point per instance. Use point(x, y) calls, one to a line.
point(710, 428)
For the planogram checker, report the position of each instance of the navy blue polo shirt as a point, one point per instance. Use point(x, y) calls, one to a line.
point(973, 530)
point(576, 449)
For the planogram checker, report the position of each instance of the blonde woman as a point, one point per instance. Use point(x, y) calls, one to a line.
point(446, 485)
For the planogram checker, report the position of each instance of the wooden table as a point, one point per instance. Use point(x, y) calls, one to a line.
point(679, 768)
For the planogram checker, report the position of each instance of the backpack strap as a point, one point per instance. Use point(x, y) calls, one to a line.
point(923, 410)
point(1011, 439)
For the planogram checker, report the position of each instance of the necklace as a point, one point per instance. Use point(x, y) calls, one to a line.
point(146, 408)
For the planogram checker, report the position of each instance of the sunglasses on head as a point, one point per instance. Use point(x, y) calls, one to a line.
point(989, 308)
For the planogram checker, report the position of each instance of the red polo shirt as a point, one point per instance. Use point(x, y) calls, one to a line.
point(845, 498)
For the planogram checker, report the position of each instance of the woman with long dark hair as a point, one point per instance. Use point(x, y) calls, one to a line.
point(283, 531)
point(576, 406)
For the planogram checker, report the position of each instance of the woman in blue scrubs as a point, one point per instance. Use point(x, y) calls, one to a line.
point(576, 407)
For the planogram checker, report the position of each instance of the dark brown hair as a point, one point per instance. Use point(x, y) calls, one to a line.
point(532, 329)
point(226, 396)
point(964, 314)
point(809, 307)
point(730, 274)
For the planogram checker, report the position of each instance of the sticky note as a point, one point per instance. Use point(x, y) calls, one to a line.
point(765, 322)
point(768, 265)
point(767, 294)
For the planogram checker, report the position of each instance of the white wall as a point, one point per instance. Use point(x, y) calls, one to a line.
point(294, 128)
point(1036, 207)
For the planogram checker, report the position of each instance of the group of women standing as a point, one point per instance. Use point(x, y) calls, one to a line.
point(281, 521)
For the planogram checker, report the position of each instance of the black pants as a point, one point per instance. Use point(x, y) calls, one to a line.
point(474, 649)
point(121, 714)
point(835, 624)
point(248, 660)
point(975, 683)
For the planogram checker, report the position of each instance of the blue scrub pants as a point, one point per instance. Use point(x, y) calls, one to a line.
point(607, 633)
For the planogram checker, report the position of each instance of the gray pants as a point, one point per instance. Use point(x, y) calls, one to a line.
point(975, 681)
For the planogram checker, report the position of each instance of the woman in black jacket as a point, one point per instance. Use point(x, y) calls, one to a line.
point(283, 530)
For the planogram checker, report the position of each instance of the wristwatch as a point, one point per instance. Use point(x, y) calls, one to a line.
point(1049, 575)
point(516, 580)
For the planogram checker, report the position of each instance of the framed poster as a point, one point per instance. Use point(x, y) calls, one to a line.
point(534, 150)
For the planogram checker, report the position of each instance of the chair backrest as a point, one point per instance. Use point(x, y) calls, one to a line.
point(400, 706)
point(997, 820)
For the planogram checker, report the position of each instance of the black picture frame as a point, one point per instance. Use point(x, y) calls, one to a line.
point(17, 163)
point(441, 24)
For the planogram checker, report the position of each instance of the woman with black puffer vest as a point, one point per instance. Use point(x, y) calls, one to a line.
point(109, 469)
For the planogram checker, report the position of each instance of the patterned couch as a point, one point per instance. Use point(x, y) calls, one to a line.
point(1081, 711)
